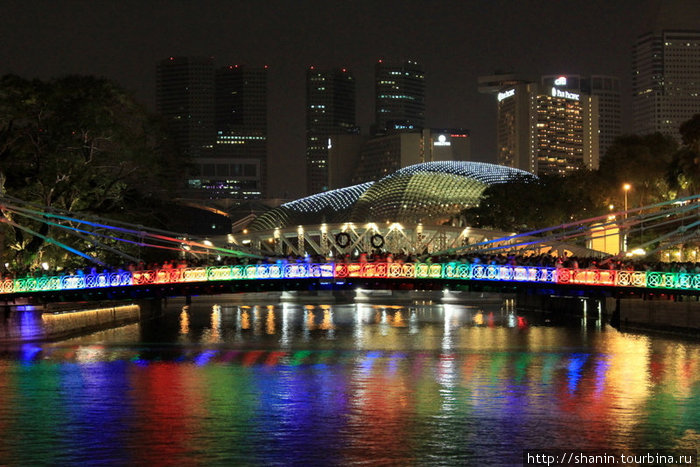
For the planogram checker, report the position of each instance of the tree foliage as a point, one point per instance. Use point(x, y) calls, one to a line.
point(655, 167)
point(641, 161)
point(84, 145)
point(532, 203)
point(684, 169)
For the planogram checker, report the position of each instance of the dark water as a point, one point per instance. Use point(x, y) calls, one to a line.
point(218, 383)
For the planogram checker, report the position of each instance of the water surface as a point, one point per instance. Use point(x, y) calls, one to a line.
point(285, 384)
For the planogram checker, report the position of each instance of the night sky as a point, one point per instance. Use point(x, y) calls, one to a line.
point(456, 41)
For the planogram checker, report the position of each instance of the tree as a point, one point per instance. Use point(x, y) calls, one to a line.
point(532, 203)
point(641, 161)
point(84, 145)
point(684, 169)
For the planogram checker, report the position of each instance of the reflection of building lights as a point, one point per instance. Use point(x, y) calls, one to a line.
point(270, 321)
point(184, 321)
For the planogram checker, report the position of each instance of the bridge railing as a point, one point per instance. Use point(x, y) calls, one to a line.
point(342, 271)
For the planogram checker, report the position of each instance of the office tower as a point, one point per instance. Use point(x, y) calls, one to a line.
point(330, 109)
point(607, 89)
point(666, 69)
point(241, 131)
point(666, 76)
point(513, 126)
point(564, 130)
point(399, 97)
point(548, 128)
point(358, 159)
point(185, 98)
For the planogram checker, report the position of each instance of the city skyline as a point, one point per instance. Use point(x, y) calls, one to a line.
point(455, 41)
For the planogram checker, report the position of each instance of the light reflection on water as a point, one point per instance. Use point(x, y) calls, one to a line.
point(342, 384)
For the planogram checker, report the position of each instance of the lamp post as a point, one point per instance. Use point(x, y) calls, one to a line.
point(626, 187)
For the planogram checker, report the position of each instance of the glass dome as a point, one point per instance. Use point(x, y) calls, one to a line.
point(430, 192)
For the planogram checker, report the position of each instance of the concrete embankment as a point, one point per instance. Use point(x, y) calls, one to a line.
point(59, 321)
point(680, 314)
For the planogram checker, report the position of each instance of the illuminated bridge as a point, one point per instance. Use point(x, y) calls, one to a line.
point(672, 223)
point(306, 276)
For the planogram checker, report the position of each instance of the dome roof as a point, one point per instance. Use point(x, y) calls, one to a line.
point(328, 206)
point(432, 191)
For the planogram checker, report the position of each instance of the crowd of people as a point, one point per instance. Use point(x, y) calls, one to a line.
point(512, 259)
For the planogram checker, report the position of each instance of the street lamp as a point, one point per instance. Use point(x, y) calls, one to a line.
point(626, 187)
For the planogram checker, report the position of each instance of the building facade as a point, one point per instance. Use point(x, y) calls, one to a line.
point(330, 110)
point(549, 127)
point(399, 91)
point(185, 99)
point(218, 117)
point(241, 131)
point(607, 89)
point(666, 79)
point(357, 159)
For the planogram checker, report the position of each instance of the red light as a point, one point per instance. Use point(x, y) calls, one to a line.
point(344, 70)
point(172, 58)
point(311, 67)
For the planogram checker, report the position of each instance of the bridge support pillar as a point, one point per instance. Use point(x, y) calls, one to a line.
point(150, 308)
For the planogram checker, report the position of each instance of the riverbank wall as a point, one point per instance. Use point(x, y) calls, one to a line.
point(60, 321)
point(677, 314)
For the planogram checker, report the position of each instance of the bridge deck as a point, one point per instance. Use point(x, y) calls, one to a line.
point(415, 272)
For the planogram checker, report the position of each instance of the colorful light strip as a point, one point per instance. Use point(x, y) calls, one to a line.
point(420, 271)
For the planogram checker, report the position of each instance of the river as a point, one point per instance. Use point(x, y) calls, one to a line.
point(220, 382)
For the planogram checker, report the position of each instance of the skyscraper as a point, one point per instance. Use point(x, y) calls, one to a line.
point(241, 131)
point(564, 130)
point(547, 128)
point(330, 109)
point(399, 96)
point(185, 98)
point(607, 89)
point(666, 69)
